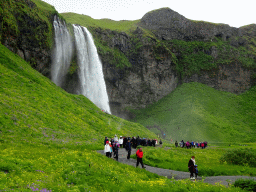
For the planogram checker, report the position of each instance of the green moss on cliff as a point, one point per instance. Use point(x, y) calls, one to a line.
point(33, 17)
point(110, 55)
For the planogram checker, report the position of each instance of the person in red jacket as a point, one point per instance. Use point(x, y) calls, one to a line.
point(139, 155)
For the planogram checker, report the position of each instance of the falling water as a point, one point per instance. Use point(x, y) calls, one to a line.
point(62, 52)
point(92, 84)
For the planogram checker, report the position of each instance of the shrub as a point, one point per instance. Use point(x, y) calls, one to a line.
point(246, 157)
point(247, 184)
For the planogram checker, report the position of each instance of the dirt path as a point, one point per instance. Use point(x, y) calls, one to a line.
point(176, 174)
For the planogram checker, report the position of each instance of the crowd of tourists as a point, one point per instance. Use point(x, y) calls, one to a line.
point(112, 145)
point(191, 144)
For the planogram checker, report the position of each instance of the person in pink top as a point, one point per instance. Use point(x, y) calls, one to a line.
point(139, 155)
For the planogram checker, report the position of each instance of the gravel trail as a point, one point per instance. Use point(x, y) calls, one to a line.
point(224, 180)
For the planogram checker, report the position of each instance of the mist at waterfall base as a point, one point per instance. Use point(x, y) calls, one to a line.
point(90, 75)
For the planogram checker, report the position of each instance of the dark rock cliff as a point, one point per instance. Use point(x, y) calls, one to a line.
point(159, 65)
point(145, 65)
point(26, 30)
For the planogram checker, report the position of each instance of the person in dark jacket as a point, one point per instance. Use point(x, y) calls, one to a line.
point(116, 147)
point(133, 141)
point(112, 141)
point(139, 155)
point(128, 148)
point(191, 167)
point(125, 141)
point(153, 142)
point(176, 143)
point(149, 142)
point(106, 139)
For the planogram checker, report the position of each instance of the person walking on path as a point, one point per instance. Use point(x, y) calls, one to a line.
point(191, 167)
point(116, 147)
point(176, 144)
point(111, 149)
point(139, 155)
point(106, 139)
point(128, 148)
point(115, 138)
point(107, 149)
point(120, 141)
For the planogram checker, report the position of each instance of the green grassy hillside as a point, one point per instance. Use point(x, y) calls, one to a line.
point(48, 138)
point(34, 108)
point(197, 112)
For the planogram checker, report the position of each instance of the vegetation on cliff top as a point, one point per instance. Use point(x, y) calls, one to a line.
point(194, 111)
point(87, 21)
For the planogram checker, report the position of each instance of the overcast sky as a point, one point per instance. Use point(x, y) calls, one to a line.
point(235, 13)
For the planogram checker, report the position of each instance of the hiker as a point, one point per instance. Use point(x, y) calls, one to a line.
point(112, 141)
point(139, 155)
point(111, 149)
point(160, 142)
point(192, 144)
point(138, 140)
point(182, 144)
point(191, 167)
point(202, 145)
point(149, 142)
point(128, 148)
point(133, 141)
point(196, 171)
point(120, 141)
point(187, 144)
point(116, 147)
point(124, 142)
point(176, 144)
point(153, 143)
point(115, 138)
point(107, 149)
point(106, 139)
point(205, 144)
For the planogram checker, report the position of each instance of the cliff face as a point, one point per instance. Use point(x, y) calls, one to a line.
point(176, 51)
point(143, 65)
point(26, 29)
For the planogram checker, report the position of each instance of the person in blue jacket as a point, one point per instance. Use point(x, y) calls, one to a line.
point(196, 171)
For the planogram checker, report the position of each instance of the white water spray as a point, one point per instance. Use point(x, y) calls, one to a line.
point(92, 84)
point(62, 52)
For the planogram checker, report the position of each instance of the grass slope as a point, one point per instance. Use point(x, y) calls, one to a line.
point(48, 138)
point(33, 107)
point(197, 112)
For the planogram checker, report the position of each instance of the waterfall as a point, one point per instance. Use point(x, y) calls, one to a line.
point(92, 84)
point(62, 53)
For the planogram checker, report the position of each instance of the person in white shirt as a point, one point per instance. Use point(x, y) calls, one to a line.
point(107, 149)
point(120, 141)
point(115, 138)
